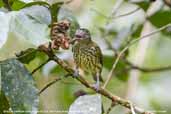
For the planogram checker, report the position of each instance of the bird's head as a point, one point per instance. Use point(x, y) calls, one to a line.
point(82, 34)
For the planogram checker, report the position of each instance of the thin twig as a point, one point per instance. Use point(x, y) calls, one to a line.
point(40, 66)
point(114, 10)
point(69, 82)
point(126, 48)
point(132, 109)
point(48, 85)
point(115, 17)
point(99, 13)
point(116, 7)
point(51, 83)
point(132, 66)
point(110, 108)
point(126, 14)
point(68, 2)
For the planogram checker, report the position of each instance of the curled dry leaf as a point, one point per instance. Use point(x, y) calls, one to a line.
point(59, 35)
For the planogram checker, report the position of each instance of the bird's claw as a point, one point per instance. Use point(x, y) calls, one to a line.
point(76, 74)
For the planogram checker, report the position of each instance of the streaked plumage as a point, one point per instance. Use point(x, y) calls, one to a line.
point(88, 56)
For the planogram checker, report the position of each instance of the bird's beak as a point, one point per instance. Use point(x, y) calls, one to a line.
point(77, 37)
point(74, 40)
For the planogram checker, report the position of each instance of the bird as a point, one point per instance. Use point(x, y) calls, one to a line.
point(87, 56)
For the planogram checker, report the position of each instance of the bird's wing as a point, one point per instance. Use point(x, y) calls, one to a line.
point(98, 52)
point(94, 50)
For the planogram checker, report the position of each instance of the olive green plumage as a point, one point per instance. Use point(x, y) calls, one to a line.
point(88, 56)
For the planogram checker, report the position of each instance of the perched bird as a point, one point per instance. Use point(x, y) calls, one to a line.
point(87, 55)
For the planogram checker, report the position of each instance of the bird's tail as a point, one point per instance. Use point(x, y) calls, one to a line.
point(101, 79)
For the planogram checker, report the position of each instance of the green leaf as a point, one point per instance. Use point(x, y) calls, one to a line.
point(6, 4)
point(65, 14)
point(27, 55)
point(136, 33)
point(41, 3)
point(57, 70)
point(17, 5)
point(143, 4)
point(4, 104)
point(160, 18)
point(1, 4)
point(108, 62)
point(54, 9)
point(19, 87)
point(121, 73)
point(12, 4)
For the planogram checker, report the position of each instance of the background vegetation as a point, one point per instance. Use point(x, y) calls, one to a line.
point(142, 74)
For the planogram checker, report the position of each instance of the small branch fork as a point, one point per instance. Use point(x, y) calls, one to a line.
point(101, 91)
point(51, 83)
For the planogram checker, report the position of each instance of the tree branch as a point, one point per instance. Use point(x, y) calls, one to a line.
point(167, 2)
point(101, 91)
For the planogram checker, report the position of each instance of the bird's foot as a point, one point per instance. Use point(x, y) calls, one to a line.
point(76, 74)
point(96, 86)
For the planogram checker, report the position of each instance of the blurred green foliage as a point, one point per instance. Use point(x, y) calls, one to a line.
point(152, 90)
point(27, 55)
